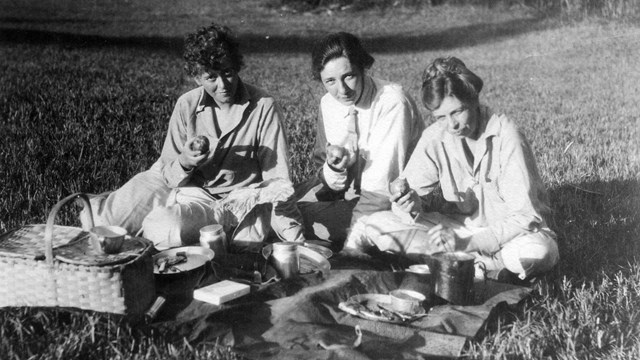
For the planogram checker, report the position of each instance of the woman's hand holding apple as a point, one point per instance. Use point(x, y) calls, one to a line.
point(337, 157)
point(200, 143)
point(399, 186)
point(404, 197)
point(190, 157)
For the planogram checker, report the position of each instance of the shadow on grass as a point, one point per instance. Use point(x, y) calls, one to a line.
point(252, 43)
point(598, 225)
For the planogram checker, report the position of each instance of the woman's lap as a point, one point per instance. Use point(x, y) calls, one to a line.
point(170, 217)
point(326, 220)
point(528, 255)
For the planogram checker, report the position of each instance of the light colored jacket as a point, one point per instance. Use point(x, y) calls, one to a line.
point(252, 150)
point(389, 126)
point(502, 190)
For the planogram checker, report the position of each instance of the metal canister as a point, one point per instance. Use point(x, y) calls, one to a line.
point(286, 259)
point(453, 277)
point(214, 238)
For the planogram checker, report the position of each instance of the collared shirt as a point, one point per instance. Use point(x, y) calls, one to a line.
point(389, 125)
point(252, 149)
point(247, 147)
point(502, 189)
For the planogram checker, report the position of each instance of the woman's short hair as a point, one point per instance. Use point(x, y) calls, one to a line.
point(449, 76)
point(211, 48)
point(338, 45)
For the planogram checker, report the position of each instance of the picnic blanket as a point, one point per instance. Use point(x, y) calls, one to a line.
point(299, 318)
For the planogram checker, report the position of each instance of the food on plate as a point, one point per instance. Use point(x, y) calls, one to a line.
point(357, 308)
point(402, 315)
point(166, 263)
point(378, 307)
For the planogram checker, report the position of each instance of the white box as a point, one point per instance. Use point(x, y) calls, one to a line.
point(221, 292)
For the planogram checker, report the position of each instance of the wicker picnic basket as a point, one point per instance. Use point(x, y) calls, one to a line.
point(57, 266)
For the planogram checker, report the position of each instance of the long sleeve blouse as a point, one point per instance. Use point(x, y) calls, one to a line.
point(501, 191)
point(389, 126)
point(250, 148)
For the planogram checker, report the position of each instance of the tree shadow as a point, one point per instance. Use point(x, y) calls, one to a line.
point(451, 38)
point(254, 43)
point(598, 224)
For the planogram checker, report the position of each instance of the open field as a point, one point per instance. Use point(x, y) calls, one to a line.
point(88, 90)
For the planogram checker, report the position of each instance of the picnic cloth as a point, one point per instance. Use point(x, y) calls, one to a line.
point(297, 318)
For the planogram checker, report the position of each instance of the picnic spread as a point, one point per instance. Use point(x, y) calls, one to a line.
point(319, 315)
point(324, 305)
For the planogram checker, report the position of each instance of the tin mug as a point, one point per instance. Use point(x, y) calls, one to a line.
point(214, 238)
point(107, 239)
point(452, 275)
point(407, 301)
point(418, 278)
point(286, 259)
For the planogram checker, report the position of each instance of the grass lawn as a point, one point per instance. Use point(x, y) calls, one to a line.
point(88, 90)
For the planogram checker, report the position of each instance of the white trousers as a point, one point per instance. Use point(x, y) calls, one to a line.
point(171, 217)
point(528, 255)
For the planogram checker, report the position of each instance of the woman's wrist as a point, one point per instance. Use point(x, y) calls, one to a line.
point(185, 168)
point(335, 180)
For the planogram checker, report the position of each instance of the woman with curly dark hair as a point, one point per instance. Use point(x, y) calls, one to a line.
point(244, 144)
point(491, 200)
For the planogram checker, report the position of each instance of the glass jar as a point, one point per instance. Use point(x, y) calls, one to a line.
point(214, 238)
point(286, 259)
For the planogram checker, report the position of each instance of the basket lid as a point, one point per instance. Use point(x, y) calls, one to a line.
point(83, 252)
point(28, 241)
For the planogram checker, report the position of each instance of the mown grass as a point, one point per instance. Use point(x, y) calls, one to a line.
point(88, 91)
point(572, 9)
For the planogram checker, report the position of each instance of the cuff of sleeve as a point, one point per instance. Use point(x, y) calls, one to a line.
point(484, 241)
point(177, 174)
point(187, 171)
point(334, 180)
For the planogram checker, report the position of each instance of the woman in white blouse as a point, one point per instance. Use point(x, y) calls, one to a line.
point(375, 122)
point(492, 202)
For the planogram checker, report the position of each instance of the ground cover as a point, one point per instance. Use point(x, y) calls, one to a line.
point(88, 89)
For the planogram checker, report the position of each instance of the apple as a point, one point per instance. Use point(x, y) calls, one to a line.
point(201, 143)
point(335, 154)
point(399, 186)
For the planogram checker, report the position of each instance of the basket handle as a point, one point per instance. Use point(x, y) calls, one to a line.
point(48, 230)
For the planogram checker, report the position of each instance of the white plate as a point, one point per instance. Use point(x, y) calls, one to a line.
point(310, 260)
point(419, 269)
point(324, 251)
point(196, 256)
point(370, 307)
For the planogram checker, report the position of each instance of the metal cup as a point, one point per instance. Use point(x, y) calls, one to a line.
point(108, 239)
point(407, 301)
point(286, 259)
point(214, 238)
point(418, 278)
